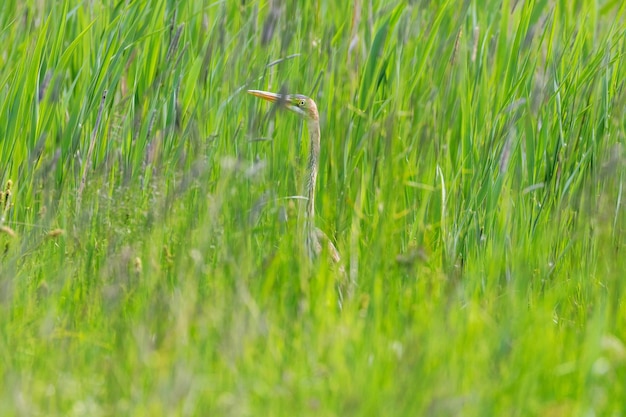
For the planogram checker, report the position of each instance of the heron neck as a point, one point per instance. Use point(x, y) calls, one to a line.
point(314, 153)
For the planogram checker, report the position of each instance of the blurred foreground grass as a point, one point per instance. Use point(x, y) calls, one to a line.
point(472, 175)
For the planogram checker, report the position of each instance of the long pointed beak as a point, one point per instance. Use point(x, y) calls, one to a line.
point(266, 95)
point(280, 100)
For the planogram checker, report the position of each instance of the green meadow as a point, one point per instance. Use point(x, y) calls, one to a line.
point(472, 176)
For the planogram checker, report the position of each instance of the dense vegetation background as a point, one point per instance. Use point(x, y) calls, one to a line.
point(472, 176)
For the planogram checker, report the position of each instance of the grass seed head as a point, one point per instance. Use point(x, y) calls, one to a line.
point(5, 196)
point(53, 234)
point(7, 230)
point(137, 265)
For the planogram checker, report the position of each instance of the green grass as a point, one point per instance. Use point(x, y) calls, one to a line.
point(472, 175)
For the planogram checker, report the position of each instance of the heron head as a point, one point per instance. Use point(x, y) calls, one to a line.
point(302, 105)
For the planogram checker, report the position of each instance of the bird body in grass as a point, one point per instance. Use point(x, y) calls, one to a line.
point(305, 107)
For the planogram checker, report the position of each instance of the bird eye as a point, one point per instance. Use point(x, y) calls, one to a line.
point(301, 103)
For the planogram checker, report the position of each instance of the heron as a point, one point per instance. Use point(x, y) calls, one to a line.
point(306, 108)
